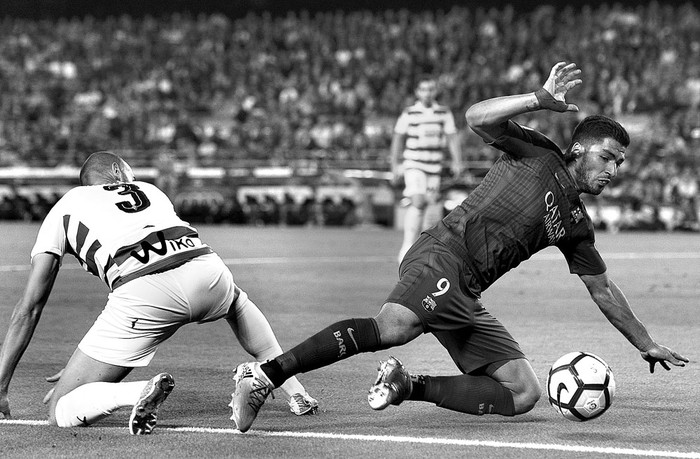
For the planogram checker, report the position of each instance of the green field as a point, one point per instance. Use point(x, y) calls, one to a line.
point(306, 278)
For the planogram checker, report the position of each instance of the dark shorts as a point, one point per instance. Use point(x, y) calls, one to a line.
point(438, 287)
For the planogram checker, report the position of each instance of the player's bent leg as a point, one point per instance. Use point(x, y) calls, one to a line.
point(89, 390)
point(82, 370)
point(397, 325)
point(477, 395)
point(337, 342)
point(255, 334)
point(520, 379)
point(252, 328)
point(393, 326)
point(254, 381)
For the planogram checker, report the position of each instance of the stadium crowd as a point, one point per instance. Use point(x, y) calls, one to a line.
point(328, 86)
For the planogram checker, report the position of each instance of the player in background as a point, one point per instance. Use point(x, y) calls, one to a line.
point(161, 276)
point(527, 201)
point(422, 133)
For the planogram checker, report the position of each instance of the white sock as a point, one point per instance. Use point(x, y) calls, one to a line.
point(91, 402)
point(256, 336)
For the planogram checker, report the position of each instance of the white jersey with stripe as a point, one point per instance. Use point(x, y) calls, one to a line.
point(119, 231)
point(426, 129)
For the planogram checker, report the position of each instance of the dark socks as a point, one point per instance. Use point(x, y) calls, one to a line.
point(337, 342)
point(464, 393)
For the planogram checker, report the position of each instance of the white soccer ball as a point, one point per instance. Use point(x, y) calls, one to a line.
point(580, 386)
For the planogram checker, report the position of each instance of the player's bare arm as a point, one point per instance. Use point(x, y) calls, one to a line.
point(489, 118)
point(614, 305)
point(24, 320)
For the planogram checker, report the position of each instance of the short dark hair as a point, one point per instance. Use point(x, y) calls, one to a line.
point(425, 77)
point(97, 169)
point(598, 127)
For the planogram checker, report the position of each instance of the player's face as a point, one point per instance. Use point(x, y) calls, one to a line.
point(598, 165)
point(427, 92)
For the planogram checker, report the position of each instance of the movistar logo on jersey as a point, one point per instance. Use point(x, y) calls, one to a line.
point(552, 219)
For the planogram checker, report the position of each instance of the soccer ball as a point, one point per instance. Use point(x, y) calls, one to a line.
point(580, 386)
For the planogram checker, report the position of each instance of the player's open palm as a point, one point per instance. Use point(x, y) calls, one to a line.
point(562, 78)
point(663, 355)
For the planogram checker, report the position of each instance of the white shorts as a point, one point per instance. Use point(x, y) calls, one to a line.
point(146, 311)
point(419, 182)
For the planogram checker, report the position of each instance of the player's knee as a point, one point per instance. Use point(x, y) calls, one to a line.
point(58, 414)
point(397, 325)
point(526, 397)
point(419, 201)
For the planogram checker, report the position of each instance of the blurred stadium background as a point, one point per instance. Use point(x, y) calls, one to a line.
point(272, 112)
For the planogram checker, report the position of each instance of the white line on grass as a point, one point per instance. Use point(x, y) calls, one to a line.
point(23, 422)
point(380, 259)
point(421, 440)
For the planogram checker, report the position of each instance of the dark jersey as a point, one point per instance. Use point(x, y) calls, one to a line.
point(526, 202)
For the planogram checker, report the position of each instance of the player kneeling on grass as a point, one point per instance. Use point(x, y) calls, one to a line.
point(161, 277)
point(528, 200)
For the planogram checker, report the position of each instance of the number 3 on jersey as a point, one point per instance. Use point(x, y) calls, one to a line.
point(139, 198)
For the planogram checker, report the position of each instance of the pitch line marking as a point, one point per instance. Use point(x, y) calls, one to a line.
point(449, 442)
point(383, 259)
point(416, 440)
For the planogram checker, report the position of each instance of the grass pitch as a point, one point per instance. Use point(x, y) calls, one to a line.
point(306, 278)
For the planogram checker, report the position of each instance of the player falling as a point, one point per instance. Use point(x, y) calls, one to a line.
point(528, 200)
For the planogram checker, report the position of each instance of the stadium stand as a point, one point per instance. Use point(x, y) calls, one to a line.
point(319, 91)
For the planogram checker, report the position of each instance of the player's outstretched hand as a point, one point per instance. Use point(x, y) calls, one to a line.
point(562, 78)
point(5, 407)
point(662, 355)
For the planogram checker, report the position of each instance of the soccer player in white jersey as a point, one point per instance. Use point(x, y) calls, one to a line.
point(422, 133)
point(161, 277)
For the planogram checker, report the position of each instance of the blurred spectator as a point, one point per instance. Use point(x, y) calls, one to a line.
point(320, 87)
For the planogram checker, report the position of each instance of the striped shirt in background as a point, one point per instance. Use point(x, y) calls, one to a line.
point(426, 130)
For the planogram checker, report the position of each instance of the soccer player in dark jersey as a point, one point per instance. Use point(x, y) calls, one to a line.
point(529, 200)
